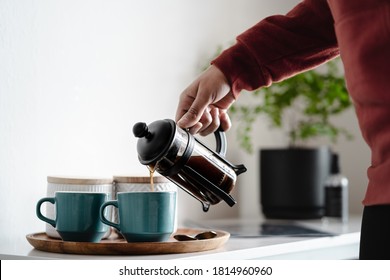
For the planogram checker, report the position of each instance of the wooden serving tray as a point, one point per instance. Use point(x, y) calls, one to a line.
point(115, 244)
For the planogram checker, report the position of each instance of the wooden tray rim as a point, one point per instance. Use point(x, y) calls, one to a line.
point(118, 246)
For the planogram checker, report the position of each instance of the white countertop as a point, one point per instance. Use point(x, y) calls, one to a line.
point(343, 245)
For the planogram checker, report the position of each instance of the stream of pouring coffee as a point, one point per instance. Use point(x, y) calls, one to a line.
point(151, 168)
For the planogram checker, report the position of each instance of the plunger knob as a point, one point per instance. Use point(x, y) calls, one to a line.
point(141, 130)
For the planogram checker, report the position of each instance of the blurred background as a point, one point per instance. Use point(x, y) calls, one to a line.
point(76, 75)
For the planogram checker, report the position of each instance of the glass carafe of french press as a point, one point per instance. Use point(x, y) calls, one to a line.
point(176, 154)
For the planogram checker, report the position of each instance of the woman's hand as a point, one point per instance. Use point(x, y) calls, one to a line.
point(204, 103)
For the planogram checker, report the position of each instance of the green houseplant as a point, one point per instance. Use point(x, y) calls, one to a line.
point(303, 106)
point(292, 178)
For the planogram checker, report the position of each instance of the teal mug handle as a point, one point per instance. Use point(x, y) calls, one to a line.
point(39, 213)
point(103, 218)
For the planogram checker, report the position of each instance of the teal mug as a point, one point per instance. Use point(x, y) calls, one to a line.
point(143, 216)
point(76, 215)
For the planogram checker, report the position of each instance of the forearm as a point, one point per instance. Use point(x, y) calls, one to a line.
point(280, 46)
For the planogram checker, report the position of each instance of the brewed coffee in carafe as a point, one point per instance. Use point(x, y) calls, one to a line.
point(176, 154)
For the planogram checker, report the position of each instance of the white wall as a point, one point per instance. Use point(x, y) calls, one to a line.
point(76, 75)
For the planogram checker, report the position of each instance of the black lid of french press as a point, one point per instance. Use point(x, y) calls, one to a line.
point(154, 139)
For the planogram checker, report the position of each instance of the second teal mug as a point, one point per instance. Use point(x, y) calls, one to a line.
point(143, 216)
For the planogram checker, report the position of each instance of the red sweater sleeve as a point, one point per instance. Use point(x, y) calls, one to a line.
point(280, 46)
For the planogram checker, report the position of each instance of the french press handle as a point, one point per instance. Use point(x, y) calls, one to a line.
point(220, 138)
point(221, 148)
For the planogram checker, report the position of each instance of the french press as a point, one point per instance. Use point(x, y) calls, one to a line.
point(179, 156)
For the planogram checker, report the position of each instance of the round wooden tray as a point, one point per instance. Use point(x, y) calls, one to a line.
point(115, 244)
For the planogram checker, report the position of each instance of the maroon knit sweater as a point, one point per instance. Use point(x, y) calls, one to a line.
point(312, 33)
